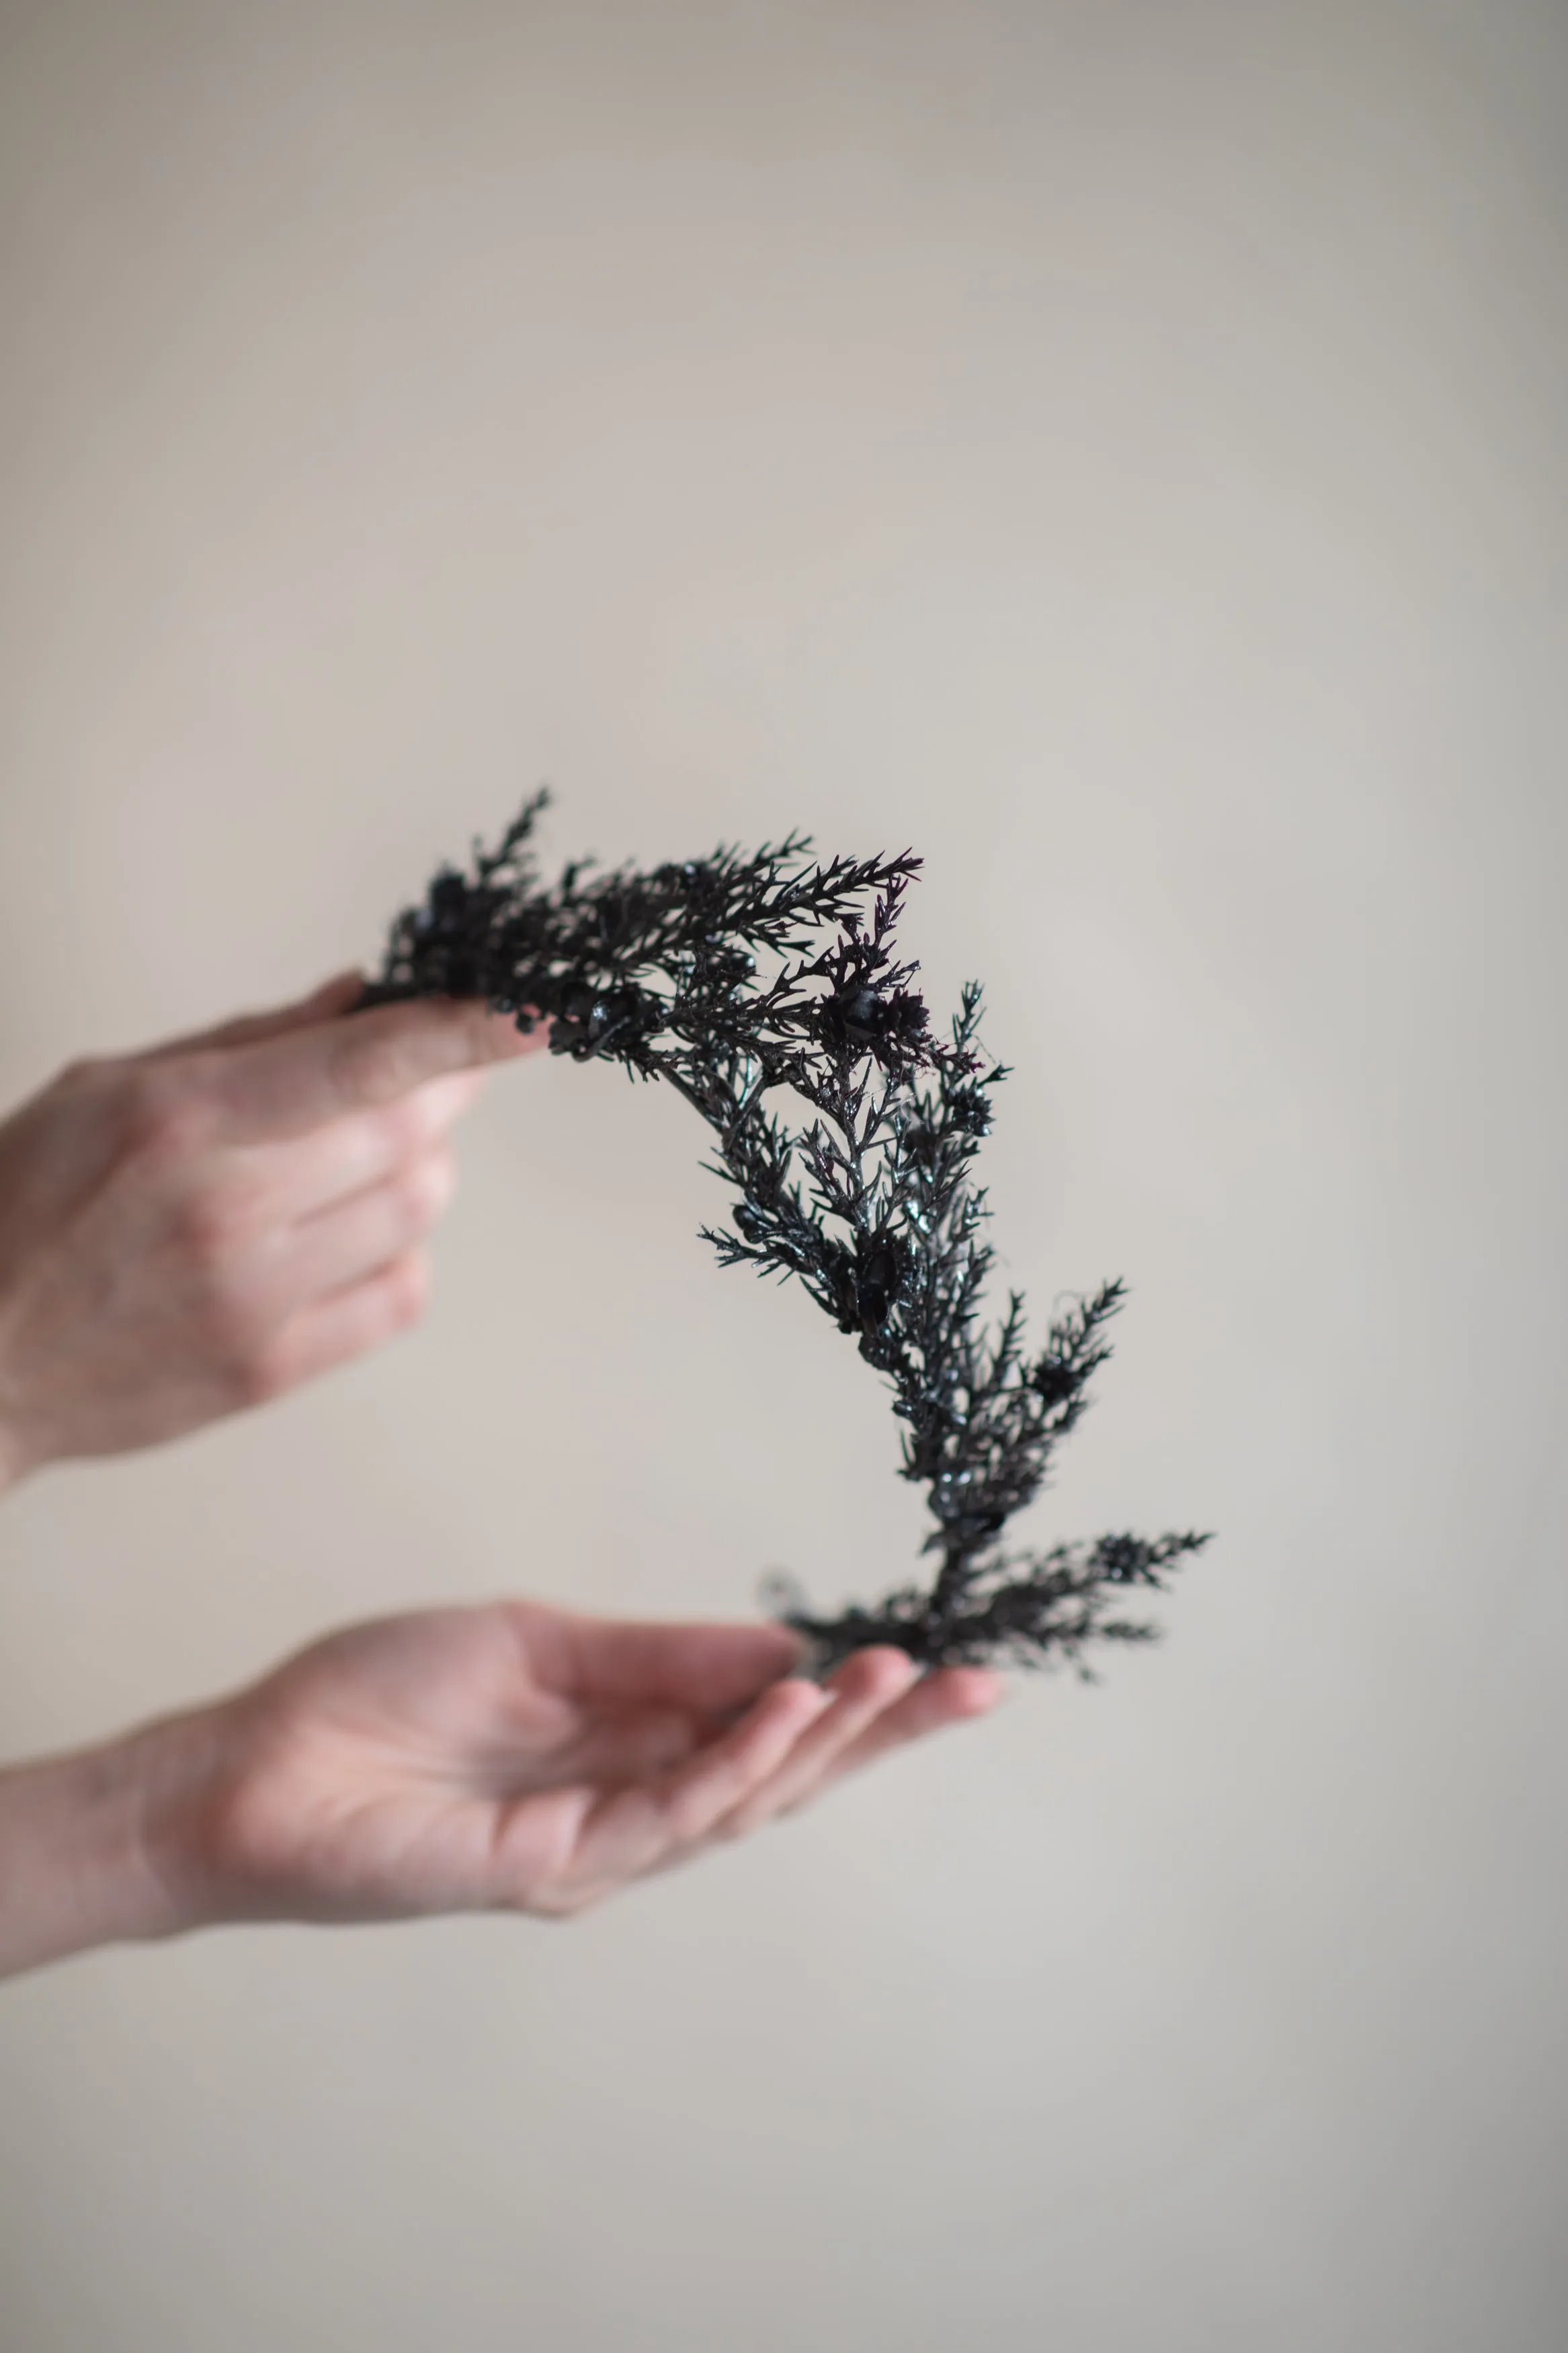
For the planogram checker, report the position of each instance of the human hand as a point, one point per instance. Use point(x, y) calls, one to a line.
point(204, 1226)
point(510, 1758)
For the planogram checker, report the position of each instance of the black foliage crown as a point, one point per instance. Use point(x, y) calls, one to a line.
point(750, 983)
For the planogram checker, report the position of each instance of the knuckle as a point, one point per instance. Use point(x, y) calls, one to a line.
point(428, 1112)
point(427, 1188)
point(164, 1120)
point(209, 1229)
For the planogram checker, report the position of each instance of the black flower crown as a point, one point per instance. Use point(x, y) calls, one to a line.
point(759, 986)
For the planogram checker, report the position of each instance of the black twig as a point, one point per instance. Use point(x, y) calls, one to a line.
point(741, 977)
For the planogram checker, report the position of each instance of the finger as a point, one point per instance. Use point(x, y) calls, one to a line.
point(949, 1695)
point(713, 1667)
point(863, 1691)
point(341, 1246)
point(346, 1324)
point(284, 1182)
point(638, 1829)
point(332, 996)
point(286, 1086)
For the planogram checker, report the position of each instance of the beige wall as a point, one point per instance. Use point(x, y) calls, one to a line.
point(1118, 449)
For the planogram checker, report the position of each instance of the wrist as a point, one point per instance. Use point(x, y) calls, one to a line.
point(94, 1847)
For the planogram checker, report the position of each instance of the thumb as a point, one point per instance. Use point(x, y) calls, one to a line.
point(331, 997)
point(319, 1070)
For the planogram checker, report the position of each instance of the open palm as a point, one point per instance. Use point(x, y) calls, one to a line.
point(517, 1757)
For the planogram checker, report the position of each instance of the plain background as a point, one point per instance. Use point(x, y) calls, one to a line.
point(1117, 450)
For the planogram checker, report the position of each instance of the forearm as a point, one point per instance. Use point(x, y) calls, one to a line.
point(81, 1848)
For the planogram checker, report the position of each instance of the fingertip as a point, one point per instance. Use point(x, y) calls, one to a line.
point(496, 1036)
point(970, 1691)
point(513, 1042)
point(794, 1651)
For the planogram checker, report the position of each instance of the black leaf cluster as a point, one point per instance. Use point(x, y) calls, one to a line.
point(768, 990)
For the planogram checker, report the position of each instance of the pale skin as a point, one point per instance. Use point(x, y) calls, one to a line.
point(201, 1227)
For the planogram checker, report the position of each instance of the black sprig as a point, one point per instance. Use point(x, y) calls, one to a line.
point(735, 979)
